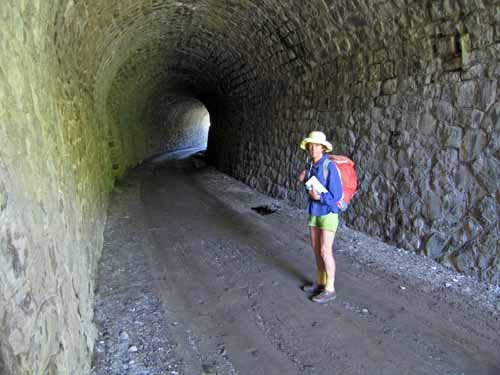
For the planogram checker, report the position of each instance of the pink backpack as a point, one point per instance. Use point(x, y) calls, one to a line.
point(347, 173)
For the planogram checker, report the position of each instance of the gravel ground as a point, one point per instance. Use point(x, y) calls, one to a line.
point(141, 330)
point(134, 337)
point(413, 269)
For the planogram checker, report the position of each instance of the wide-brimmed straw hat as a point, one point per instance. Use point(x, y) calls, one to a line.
point(318, 138)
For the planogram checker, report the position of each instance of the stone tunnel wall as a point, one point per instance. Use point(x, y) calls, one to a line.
point(426, 137)
point(413, 99)
point(54, 178)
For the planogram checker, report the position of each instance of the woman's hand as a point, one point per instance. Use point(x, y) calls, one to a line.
point(302, 175)
point(313, 194)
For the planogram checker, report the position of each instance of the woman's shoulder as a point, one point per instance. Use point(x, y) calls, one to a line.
point(331, 166)
point(331, 163)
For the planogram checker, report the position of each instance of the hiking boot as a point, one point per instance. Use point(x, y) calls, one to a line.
point(313, 288)
point(325, 296)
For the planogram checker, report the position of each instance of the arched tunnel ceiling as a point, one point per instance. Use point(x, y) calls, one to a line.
point(250, 53)
point(230, 54)
point(204, 44)
point(218, 47)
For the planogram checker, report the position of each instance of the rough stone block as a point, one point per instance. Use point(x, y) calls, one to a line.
point(453, 135)
point(446, 47)
point(454, 205)
point(476, 119)
point(452, 65)
point(427, 125)
point(489, 210)
point(465, 262)
point(389, 87)
point(487, 94)
point(388, 70)
point(487, 170)
point(432, 208)
point(474, 72)
point(473, 144)
point(443, 111)
point(375, 72)
point(466, 94)
point(435, 244)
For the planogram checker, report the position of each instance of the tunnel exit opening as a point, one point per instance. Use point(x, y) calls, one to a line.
point(180, 128)
point(205, 127)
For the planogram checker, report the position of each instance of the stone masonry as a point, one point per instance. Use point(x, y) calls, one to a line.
point(89, 88)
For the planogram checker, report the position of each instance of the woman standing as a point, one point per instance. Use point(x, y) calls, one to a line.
point(323, 214)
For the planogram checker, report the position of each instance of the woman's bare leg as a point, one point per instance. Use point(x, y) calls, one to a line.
point(326, 252)
point(316, 246)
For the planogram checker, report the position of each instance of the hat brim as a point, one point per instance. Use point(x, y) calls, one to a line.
point(305, 141)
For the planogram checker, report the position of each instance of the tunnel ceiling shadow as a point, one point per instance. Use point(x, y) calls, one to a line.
point(226, 54)
point(219, 53)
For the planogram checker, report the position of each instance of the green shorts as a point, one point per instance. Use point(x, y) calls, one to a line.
point(328, 222)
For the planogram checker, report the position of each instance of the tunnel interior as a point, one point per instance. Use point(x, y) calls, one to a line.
point(182, 122)
point(90, 88)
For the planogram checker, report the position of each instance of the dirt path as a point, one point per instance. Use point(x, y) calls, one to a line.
point(223, 285)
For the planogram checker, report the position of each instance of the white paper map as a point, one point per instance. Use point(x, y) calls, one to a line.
point(313, 182)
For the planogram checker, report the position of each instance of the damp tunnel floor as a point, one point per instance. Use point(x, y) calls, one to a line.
point(192, 280)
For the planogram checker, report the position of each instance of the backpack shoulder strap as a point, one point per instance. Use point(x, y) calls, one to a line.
point(309, 166)
point(326, 163)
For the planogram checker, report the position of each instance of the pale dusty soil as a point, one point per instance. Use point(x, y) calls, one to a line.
point(193, 281)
